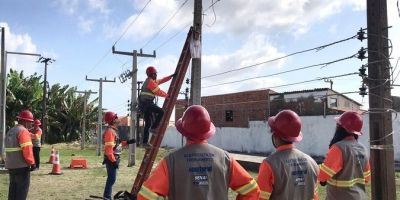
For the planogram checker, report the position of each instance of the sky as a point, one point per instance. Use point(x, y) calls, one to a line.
point(79, 35)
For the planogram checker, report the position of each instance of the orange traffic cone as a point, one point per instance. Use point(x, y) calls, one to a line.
point(52, 155)
point(56, 165)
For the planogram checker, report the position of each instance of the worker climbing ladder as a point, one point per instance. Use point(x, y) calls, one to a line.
point(156, 139)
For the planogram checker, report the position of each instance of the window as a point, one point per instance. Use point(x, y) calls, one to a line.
point(333, 102)
point(228, 115)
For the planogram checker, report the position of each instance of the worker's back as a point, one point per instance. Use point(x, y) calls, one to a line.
point(198, 172)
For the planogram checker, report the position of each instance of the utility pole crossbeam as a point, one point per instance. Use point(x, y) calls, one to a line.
point(85, 96)
point(100, 112)
point(380, 121)
point(46, 62)
point(195, 93)
point(134, 103)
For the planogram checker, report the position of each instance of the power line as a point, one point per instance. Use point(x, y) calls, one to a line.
point(307, 81)
point(130, 24)
point(282, 57)
point(166, 24)
point(283, 72)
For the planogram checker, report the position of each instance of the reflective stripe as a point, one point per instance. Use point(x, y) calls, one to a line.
point(265, 195)
point(327, 170)
point(148, 194)
point(155, 89)
point(367, 173)
point(349, 183)
point(13, 149)
point(26, 144)
point(247, 188)
point(147, 93)
point(109, 144)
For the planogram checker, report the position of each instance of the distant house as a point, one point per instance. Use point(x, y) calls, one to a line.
point(233, 110)
point(319, 101)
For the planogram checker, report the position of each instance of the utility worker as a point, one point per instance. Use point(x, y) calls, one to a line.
point(198, 170)
point(112, 150)
point(19, 156)
point(346, 167)
point(36, 135)
point(149, 90)
point(287, 173)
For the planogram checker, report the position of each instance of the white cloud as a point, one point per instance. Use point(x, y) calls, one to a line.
point(99, 5)
point(67, 6)
point(85, 25)
point(20, 43)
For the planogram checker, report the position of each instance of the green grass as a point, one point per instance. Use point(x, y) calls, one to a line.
point(80, 183)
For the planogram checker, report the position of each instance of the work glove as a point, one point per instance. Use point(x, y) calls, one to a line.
point(173, 75)
point(32, 167)
point(322, 183)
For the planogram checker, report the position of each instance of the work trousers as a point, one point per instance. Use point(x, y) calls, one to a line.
point(149, 110)
point(36, 155)
point(19, 183)
point(111, 178)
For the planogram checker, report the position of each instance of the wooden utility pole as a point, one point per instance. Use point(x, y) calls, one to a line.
point(85, 96)
point(134, 103)
point(195, 89)
point(380, 118)
point(46, 61)
point(100, 112)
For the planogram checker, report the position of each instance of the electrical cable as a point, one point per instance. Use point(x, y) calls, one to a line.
point(283, 72)
point(215, 16)
point(166, 24)
point(282, 57)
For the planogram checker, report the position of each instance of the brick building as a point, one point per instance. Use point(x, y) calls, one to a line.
point(233, 110)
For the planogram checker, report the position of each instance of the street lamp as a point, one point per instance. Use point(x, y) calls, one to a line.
point(3, 91)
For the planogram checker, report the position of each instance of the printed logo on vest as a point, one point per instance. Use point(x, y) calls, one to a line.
point(200, 180)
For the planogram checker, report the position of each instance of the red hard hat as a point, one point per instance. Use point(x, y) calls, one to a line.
point(151, 70)
point(25, 115)
point(196, 124)
point(351, 121)
point(37, 122)
point(286, 125)
point(110, 116)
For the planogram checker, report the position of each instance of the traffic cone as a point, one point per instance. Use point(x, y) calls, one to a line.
point(52, 155)
point(56, 165)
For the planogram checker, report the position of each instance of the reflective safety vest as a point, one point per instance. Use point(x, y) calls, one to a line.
point(36, 137)
point(117, 147)
point(349, 183)
point(14, 156)
point(145, 93)
point(295, 175)
point(197, 172)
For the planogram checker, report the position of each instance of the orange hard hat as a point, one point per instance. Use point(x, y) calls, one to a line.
point(110, 117)
point(151, 70)
point(37, 122)
point(196, 124)
point(351, 121)
point(25, 115)
point(286, 125)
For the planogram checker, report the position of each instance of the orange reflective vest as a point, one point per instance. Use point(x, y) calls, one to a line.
point(150, 88)
point(346, 169)
point(18, 146)
point(158, 185)
point(112, 145)
point(36, 136)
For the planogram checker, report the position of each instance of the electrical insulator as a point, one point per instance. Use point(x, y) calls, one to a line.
point(361, 53)
point(187, 90)
point(362, 71)
point(187, 81)
point(361, 35)
point(129, 105)
point(363, 90)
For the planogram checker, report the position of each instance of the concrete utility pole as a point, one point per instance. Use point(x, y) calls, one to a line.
point(134, 103)
point(195, 90)
point(46, 61)
point(2, 98)
point(85, 96)
point(100, 112)
point(380, 118)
